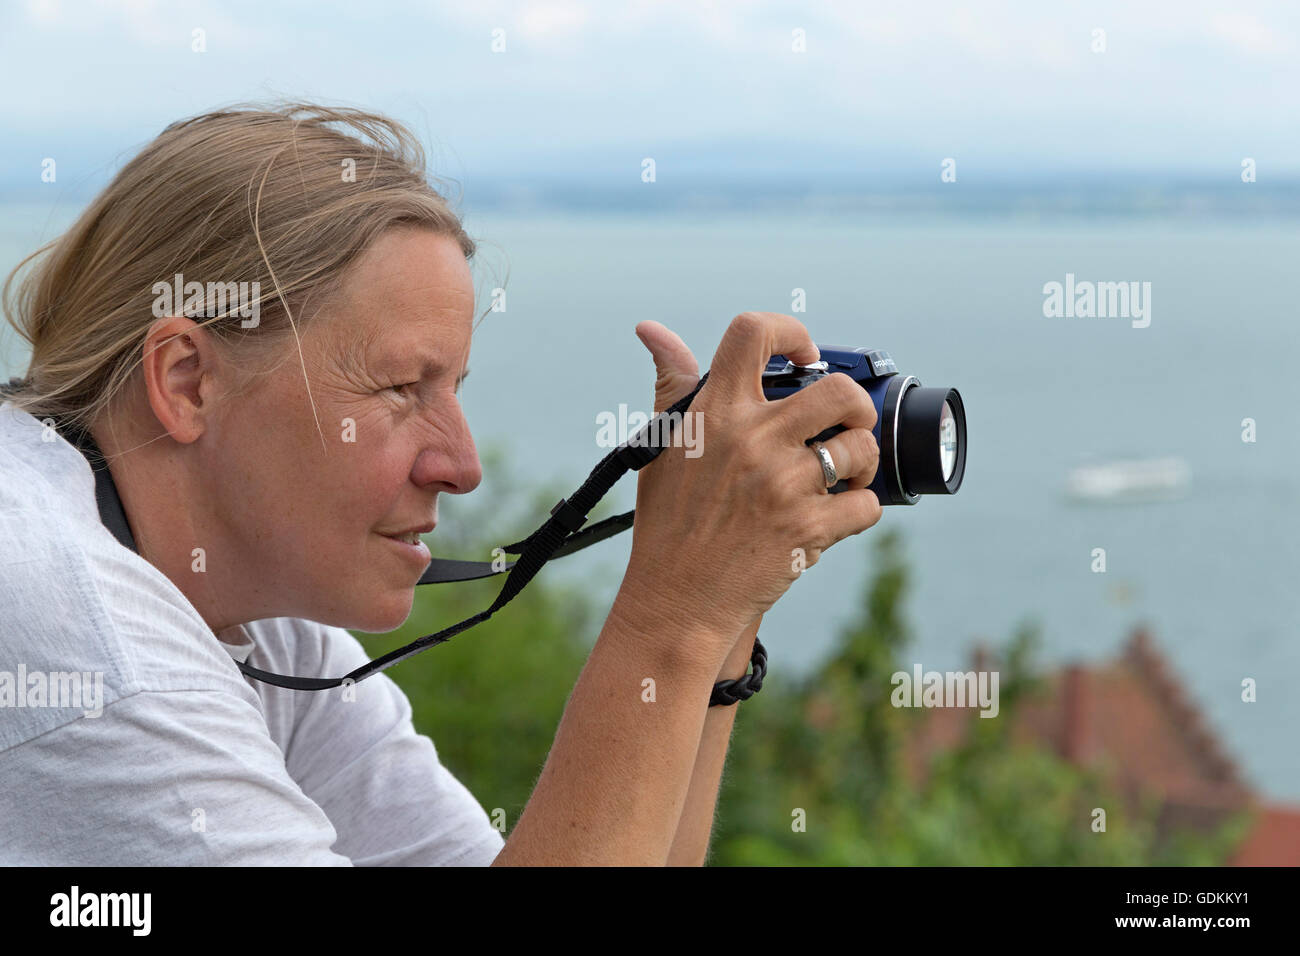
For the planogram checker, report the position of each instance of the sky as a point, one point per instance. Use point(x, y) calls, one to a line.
point(714, 91)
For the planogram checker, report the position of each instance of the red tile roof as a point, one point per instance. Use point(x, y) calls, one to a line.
point(1274, 841)
point(1132, 719)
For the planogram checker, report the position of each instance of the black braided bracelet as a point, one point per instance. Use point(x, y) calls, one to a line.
point(728, 692)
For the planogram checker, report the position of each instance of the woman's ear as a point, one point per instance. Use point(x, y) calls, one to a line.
point(180, 363)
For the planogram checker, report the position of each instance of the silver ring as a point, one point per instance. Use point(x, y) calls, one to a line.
point(828, 463)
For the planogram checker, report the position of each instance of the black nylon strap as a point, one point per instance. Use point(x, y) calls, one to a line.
point(444, 569)
point(111, 512)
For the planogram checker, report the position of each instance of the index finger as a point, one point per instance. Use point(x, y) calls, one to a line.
point(750, 342)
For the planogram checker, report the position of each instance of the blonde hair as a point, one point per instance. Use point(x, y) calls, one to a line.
point(246, 194)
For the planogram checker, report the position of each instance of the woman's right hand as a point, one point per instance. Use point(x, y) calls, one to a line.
point(719, 538)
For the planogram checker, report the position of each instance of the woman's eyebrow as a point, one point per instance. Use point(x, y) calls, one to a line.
point(428, 369)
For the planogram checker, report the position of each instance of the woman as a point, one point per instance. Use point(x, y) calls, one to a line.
point(271, 456)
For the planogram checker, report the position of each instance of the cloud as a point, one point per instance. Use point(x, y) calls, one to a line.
point(1181, 84)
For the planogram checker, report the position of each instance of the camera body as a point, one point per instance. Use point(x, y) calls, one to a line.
point(921, 431)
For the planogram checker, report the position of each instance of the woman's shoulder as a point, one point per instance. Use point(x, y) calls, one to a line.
point(81, 610)
point(42, 477)
point(83, 620)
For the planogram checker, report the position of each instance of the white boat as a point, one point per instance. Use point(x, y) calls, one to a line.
point(1129, 480)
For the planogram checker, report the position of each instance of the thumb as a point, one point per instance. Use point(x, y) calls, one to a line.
point(676, 371)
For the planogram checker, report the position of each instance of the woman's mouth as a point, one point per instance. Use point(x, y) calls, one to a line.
point(411, 545)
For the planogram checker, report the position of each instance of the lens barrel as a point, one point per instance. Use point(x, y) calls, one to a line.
point(931, 445)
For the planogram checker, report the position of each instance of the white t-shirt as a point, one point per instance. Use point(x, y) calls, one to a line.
point(128, 735)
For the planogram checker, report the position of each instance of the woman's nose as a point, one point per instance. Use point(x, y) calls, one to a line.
point(453, 462)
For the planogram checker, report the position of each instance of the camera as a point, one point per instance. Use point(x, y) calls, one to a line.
point(921, 431)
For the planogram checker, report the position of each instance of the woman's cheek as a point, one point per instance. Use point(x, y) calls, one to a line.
point(387, 475)
point(367, 426)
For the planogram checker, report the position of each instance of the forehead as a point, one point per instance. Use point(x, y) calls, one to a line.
point(409, 296)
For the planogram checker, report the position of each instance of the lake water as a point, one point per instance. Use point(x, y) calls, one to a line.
point(957, 302)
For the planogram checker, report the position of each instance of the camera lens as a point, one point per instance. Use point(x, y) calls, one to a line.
point(931, 441)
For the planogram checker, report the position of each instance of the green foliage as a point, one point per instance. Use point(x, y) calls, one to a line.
point(831, 745)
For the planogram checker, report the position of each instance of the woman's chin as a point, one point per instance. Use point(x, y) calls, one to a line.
point(382, 616)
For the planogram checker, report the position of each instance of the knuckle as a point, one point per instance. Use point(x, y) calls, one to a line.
point(842, 388)
point(855, 397)
point(845, 394)
point(868, 407)
point(869, 511)
point(779, 427)
point(819, 536)
point(872, 459)
point(752, 461)
point(850, 397)
point(867, 445)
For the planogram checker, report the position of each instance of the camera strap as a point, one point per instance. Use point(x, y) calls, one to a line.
point(560, 535)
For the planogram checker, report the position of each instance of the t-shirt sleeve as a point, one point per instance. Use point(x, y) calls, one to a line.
point(180, 778)
point(356, 753)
